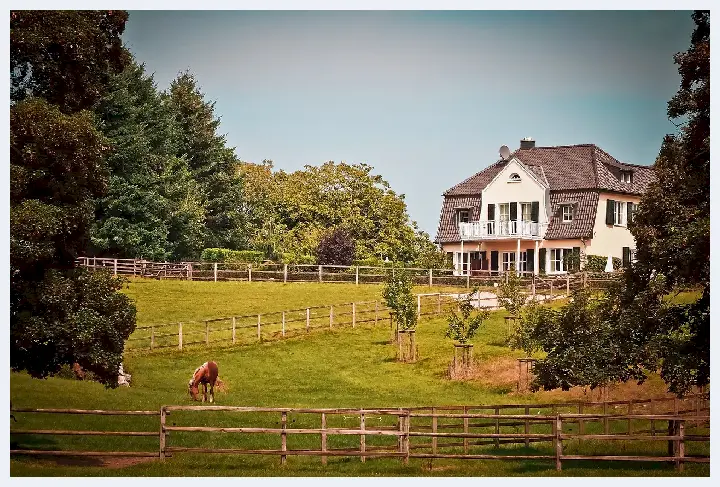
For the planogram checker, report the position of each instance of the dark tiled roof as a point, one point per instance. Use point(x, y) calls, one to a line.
point(563, 168)
point(448, 230)
point(584, 211)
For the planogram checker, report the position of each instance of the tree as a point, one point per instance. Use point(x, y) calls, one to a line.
point(524, 335)
point(636, 327)
point(60, 62)
point(510, 294)
point(336, 248)
point(464, 322)
point(397, 292)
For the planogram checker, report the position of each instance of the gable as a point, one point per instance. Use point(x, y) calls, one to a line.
point(514, 182)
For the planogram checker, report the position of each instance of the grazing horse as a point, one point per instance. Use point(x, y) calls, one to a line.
point(206, 375)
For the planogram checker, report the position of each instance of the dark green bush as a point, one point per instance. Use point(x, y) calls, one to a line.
point(227, 255)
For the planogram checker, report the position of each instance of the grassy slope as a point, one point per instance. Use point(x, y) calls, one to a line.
point(338, 368)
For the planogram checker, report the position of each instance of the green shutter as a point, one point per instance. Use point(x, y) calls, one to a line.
point(493, 260)
point(530, 260)
point(626, 256)
point(630, 211)
point(513, 211)
point(535, 211)
point(541, 258)
point(610, 213)
point(576, 259)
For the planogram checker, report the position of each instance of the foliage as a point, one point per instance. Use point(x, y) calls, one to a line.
point(523, 335)
point(428, 255)
point(633, 327)
point(337, 247)
point(60, 65)
point(511, 294)
point(572, 261)
point(464, 322)
point(227, 255)
point(397, 292)
point(69, 317)
point(374, 262)
point(293, 258)
point(65, 57)
point(597, 263)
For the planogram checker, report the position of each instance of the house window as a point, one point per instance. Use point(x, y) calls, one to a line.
point(526, 211)
point(567, 213)
point(463, 216)
point(557, 259)
point(620, 213)
point(508, 260)
point(514, 178)
point(626, 176)
point(504, 212)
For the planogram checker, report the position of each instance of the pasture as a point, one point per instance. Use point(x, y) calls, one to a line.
point(338, 368)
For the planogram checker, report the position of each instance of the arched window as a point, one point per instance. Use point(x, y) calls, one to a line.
point(514, 178)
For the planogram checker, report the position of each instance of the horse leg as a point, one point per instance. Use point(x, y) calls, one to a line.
point(212, 393)
point(204, 396)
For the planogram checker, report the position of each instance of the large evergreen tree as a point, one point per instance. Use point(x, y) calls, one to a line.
point(60, 66)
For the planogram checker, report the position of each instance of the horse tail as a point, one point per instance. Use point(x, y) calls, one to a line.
point(212, 372)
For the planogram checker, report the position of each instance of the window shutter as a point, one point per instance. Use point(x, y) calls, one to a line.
point(513, 211)
point(491, 212)
point(630, 210)
point(626, 256)
point(535, 211)
point(541, 258)
point(576, 263)
point(530, 260)
point(493, 260)
point(610, 213)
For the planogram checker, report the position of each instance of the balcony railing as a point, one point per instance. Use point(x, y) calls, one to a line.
point(500, 229)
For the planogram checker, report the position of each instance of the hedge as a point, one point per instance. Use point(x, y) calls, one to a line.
point(227, 255)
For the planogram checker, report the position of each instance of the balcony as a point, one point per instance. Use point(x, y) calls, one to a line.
point(502, 230)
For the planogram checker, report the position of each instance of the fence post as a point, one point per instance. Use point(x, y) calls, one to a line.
point(331, 315)
point(497, 427)
point(323, 437)
point(362, 437)
point(190, 271)
point(406, 460)
point(418, 306)
point(215, 271)
point(581, 422)
point(652, 421)
point(606, 425)
point(353, 315)
point(233, 331)
point(307, 319)
point(357, 275)
point(376, 313)
point(283, 436)
point(551, 289)
point(179, 336)
point(283, 323)
point(630, 411)
point(434, 430)
point(258, 330)
point(680, 450)
point(249, 272)
point(567, 281)
point(466, 429)
point(207, 333)
point(320, 273)
point(285, 273)
point(152, 337)
point(430, 277)
point(438, 303)
point(401, 429)
point(467, 280)
point(115, 267)
point(527, 427)
point(558, 443)
point(162, 432)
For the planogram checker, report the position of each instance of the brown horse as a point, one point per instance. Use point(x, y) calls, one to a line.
point(206, 375)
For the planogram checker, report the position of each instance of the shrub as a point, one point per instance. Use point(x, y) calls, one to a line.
point(294, 258)
point(336, 248)
point(596, 263)
point(227, 255)
point(373, 262)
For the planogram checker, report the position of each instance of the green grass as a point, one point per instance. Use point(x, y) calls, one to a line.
point(334, 368)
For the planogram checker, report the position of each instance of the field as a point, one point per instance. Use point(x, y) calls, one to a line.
point(335, 368)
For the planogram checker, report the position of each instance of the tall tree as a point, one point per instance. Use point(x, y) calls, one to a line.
point(212, 164)
point(60, 65)
point(635, 327)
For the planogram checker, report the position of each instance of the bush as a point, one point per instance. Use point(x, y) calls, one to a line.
point(336, 248)
point(227, 255)
point(293, 258)
point(596, 263)
point(373, 262)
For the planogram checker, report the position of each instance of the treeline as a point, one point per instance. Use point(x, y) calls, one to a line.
point(175, 188)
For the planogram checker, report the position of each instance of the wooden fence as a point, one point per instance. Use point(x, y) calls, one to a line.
point(458, 432)
point(226, 271)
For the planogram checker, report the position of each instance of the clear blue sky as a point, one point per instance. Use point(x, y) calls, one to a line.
point(426, 97)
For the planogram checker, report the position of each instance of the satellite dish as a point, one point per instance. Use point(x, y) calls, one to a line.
point(504, 152)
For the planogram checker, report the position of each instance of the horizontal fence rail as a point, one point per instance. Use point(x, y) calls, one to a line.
point(230, 271)
point(677, 431)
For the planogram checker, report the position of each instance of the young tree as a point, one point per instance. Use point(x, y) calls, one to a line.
point(336, 248)
point(60, 64)
point(524, 335)
point(511, 294)
point(398, 296)
point(466, 320)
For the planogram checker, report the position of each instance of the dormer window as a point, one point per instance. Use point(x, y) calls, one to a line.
point(514, 178)
point(567, 213)
point(463, 216)
point(626, 176)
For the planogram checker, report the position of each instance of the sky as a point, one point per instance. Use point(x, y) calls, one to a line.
point(424, 97)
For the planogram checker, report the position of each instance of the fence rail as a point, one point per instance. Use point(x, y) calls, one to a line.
point(228, 271)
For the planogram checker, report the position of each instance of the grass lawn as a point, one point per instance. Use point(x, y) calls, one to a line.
point(342, 367)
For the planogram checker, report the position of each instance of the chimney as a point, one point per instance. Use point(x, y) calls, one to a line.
point(527, 143)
